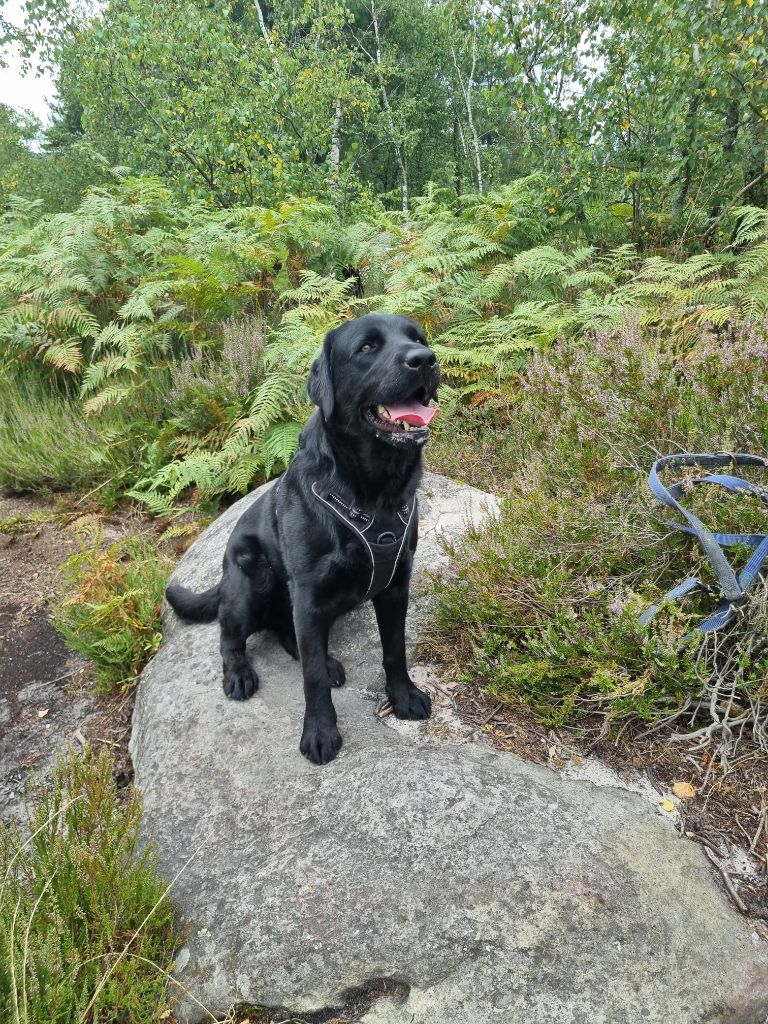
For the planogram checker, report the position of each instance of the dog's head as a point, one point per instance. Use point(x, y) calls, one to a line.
point(377, 374)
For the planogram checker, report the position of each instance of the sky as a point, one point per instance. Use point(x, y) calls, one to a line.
point(24, 92)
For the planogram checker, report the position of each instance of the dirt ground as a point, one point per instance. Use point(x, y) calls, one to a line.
point(47, 699)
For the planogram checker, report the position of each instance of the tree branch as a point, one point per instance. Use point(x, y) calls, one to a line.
point(730, 206)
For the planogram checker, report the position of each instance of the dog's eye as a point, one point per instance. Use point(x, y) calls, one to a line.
point(366, 348)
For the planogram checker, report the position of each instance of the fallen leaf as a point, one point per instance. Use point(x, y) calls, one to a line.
point(666, 805)
point(42, 712)
point(684, 790)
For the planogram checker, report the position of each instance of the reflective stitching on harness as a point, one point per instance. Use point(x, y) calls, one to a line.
point(361, 534)
point(352, 510)
point(400, 549)
point(357, 531)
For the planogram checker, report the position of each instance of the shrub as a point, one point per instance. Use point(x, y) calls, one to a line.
point(232, 418)
point(543, 604)
point(112, 612)
point(85, 930)
point(132, 288)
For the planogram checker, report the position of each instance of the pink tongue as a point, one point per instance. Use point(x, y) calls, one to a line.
point(415, 413)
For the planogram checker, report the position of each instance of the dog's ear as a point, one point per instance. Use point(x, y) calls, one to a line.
point(320, 384)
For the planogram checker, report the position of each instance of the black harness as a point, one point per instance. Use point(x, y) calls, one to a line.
point(383, 538)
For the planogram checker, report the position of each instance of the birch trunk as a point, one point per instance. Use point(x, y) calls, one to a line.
point(335, 155)
point(399, 148)
point(466, 92)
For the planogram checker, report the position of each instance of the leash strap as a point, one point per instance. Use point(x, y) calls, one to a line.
point(384, 553)
point(733, 587)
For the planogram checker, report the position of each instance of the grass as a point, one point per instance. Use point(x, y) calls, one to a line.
point(16, 524)
point(111, 614)
point(541, 607)
point(86, 933)
point(44, 441)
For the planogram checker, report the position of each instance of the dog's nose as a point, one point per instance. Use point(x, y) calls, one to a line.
point(419, 357)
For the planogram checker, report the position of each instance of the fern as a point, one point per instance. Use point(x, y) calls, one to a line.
point(280, 442)
point(752, 225)
point(541, 263)
point(131, 286)
point(64, 355)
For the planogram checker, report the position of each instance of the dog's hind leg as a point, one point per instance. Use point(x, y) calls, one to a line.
point(280, 619)
point(245, 594)
point(281, 623)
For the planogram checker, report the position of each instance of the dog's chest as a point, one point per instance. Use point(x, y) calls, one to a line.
point(374, 541)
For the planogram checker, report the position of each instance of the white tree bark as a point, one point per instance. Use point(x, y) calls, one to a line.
point(400, 153)
point(335, 155)
point(263, 25)
point(466, 91)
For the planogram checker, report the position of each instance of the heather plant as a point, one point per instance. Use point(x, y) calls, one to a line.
point(110, 608)
point(620, 399)
point(611, 403)
point(232, 417)
point(86, 930)
point(234, 374)
point(542, 606)
point(209, 390)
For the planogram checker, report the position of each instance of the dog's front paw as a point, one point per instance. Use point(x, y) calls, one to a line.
point(336, 671)
point(320, 741)
point(410, 702)
point(240, 682)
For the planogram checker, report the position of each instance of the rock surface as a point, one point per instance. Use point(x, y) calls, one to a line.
point(488, 888)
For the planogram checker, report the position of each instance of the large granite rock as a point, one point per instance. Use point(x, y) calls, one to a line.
point(490, 889)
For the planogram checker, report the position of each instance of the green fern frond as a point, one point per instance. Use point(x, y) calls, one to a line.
point(73, 318)
point(280, 443)
point(752, 225)
point(113, 394)
point(541, 262)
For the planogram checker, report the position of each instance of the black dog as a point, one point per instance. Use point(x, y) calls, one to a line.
point(338, 528)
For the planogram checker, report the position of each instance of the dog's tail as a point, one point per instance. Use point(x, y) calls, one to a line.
point(191, 606)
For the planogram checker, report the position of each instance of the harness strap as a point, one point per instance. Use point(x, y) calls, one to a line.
point(733, 587)
point(385, 552)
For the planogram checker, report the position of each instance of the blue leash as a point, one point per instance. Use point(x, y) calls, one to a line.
point(733, 587)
